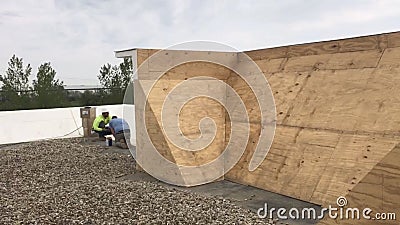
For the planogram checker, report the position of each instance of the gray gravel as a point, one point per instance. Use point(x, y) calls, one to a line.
point(65, 182)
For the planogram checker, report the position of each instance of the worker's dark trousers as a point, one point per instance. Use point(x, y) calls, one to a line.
point(103, 132)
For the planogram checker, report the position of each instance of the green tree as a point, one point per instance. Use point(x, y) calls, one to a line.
point(15, 85)
point(116, 78)
point(90, 97)
point(49, 92)
point(74, 98)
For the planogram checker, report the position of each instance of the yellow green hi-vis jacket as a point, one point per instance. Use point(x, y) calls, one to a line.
point(98, 120)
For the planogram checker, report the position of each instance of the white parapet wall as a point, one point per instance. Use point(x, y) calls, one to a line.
point(40, 124)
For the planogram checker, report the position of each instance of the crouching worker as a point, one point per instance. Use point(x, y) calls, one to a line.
point(99, 124)
point(120, 129)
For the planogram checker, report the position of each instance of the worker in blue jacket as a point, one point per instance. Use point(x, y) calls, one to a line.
point(120, 129)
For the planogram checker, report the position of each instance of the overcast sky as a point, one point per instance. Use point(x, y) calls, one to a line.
point(78, 37)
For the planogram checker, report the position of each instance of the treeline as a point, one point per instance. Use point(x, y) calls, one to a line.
point(46, 91)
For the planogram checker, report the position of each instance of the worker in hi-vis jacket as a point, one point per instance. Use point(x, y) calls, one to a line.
point(99, 124)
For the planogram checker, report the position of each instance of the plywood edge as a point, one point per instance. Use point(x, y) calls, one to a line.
point(363, 43)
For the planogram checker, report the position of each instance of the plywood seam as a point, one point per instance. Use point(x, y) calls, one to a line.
point(383, 170)
point(323, 172)
point(333, 70)
point(362, 133)
point(318, 69)
point(361, 193)
point(283, 64)
point(324, 146)
point(380, 58)
point(371, 77)
point(297, 134)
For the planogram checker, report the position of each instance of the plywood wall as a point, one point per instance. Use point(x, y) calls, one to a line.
point(192, 112)
point(337, 105)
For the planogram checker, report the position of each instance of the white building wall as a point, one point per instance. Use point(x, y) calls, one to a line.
point(39, 124)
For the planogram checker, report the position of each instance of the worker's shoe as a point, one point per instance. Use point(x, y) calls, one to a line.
point(123, 144)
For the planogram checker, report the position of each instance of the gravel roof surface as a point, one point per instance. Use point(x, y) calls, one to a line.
point(65, 182)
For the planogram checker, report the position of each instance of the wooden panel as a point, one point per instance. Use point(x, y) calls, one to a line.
point(288, 165)
point(180, 72)
point(353, 60)
point(348, 60)
point(285, 87)
point(142, 55)
point(269, 53)
point(318, 138)
point(384, 99)
point(247, 96)
point(328, 47)
point(156, 136)
point(356, 96)
point(390, 58)
point(369, 96)
point(270, 65)
point(382, 42)
point(143, 65)
point(307, 172)
point(393, 39)
point(190, 114)
point(269, 177)
point(189, 118)
point(166, 59)
point(306, 63)
point(314, 48)
point(359, 44)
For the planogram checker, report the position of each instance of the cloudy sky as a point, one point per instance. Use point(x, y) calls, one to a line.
point(77, 37)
